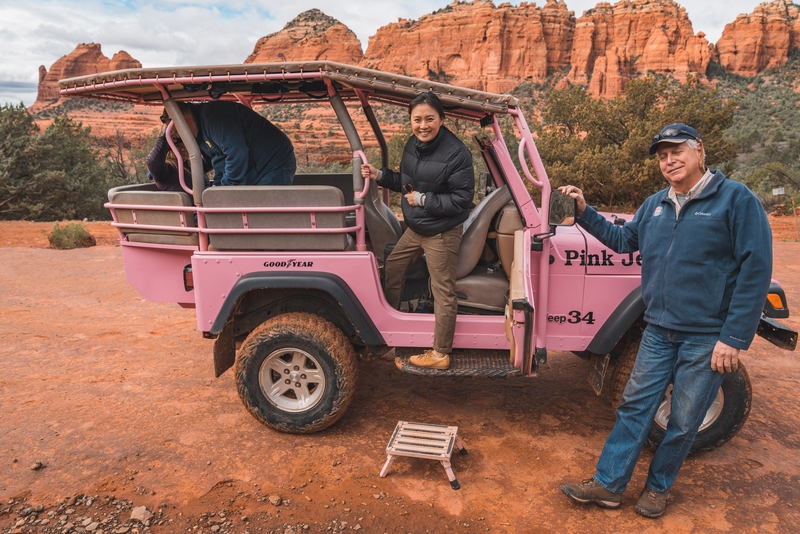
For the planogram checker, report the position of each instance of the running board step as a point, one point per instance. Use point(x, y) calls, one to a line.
point(485, 363)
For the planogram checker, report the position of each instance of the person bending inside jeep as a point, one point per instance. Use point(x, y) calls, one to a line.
point(162, 164)
point(438, 182)
point(244, 147)
point(706, 249)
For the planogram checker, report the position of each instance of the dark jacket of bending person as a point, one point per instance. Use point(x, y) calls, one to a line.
point(244, 147)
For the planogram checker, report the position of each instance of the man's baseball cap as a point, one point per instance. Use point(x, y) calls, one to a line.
point(674, 133)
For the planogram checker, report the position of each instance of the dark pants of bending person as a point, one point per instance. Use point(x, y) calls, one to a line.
point(441, 254)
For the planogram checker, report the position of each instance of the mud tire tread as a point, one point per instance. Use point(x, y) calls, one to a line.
point(622, 371)
point(330, 342)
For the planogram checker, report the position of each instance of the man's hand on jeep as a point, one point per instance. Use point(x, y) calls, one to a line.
point(369, 171)
point(577, 194)
point(724, 359)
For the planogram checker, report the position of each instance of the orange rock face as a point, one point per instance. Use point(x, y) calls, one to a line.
point(478, 44)
point(85, 59)
point(612, 44)
point(761, 40)
point(312, 35)
point(495, 48)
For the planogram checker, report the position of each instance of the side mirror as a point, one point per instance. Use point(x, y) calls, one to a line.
point(563, 209)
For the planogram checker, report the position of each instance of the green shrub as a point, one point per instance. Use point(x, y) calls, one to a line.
point(54, 175)
point(602, 146)
point(69, 236)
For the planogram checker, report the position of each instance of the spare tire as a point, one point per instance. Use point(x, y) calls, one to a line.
point(723, 420)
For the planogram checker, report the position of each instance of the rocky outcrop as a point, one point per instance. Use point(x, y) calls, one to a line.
point(477, 44)
point(495, 48)
point(760, 40)
point(312, 35)
point(612, 44)
point(85, 59)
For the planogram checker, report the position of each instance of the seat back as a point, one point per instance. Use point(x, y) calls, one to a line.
point(508, 221)
point(342, 181)
point(150, 195)
point(382, 224)
point(476, 228)
point(242, 196)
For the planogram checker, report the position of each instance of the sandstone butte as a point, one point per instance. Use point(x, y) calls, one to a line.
point(312, 35)
point(613, 44)
point(478, 44)
point(85, 59)
point(761, 40)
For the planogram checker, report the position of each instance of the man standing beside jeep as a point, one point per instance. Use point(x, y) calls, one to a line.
point(706, 250)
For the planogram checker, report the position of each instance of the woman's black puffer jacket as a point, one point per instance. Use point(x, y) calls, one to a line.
point(442, 169)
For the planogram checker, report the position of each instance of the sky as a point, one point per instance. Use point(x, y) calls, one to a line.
point(202, 32)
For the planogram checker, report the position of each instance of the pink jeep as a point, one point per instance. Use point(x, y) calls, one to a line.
point(288, 279)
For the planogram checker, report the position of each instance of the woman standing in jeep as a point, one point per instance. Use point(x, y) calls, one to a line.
point(438, 180)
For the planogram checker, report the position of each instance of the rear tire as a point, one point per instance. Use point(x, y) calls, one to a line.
point(296, 373)
point(722, 421)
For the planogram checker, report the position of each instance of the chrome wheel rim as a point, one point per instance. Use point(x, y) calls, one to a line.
point(292, 380)
point(713, 413)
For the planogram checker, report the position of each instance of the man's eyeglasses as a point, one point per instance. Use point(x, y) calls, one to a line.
point(164, 118)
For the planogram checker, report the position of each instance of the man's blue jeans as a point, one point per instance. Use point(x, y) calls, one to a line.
point(665, 357)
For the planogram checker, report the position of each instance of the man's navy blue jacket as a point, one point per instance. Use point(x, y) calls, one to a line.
point(709, 270)
point(243, 145)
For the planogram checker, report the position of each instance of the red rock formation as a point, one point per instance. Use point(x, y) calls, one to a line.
point(312, 35)
point(761, 40)
point(633, 37)
point(85, 59)
point(477, 44)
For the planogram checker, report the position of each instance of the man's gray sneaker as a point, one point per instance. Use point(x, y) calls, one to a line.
point(652, 503)
point(589, 491)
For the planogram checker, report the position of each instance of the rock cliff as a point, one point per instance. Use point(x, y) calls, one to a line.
point(495, 48)
point(612, 44)
point(477, 44)
point(85, 59)
point(760, 40)
point(312, 35)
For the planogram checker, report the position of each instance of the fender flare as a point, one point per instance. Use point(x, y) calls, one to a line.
point(329, 283)
point(620, 320)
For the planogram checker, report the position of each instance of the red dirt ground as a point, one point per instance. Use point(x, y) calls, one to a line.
point(116, 397)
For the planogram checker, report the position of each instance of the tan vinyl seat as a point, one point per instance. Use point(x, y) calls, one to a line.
point(481, 288)
point(476, 228)
point(150, 195)
point(508, 221)
point(305, 196)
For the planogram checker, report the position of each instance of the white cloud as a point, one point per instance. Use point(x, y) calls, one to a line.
point(171, 32)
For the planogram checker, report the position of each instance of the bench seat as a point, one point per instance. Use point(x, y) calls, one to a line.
point(148, 194)
point(267, 196)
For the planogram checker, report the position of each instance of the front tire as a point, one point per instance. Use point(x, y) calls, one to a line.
point(296, 373)
point(722, 421)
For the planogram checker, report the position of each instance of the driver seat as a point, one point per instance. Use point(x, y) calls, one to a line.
point(480, 288)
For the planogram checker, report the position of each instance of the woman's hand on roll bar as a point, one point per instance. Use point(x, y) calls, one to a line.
point(369, 171)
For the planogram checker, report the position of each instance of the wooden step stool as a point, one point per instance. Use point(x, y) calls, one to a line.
point(421, 440)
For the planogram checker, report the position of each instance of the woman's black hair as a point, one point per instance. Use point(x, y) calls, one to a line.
point(430, 98)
